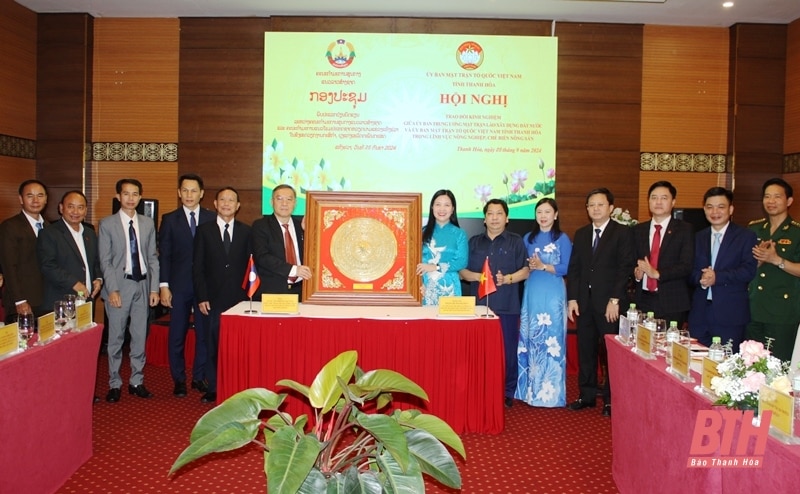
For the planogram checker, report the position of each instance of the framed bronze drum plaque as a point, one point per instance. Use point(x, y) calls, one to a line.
point(363, 248)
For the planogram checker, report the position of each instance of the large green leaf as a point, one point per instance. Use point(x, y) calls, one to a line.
point(386, 380)
point(243, 407)
point(227, 437)
point(300, 388)
point(324, 392)
point(434, 459)
point(290, 460)
point(388, 432)
point(351, 482)
point(314, 483)
point(435, 426)
point(397, 480)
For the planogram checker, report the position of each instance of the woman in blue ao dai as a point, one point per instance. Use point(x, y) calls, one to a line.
point(444, 250)
point(543, 325)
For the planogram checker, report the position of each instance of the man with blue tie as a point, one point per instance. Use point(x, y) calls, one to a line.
point(723, 267)
point(128, 259)
point(18, 234)
point(175, 248)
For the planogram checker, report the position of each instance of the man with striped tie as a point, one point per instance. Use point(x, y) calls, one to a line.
point(18, 234)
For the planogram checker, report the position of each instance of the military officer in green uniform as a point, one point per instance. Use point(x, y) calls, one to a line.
point(775, 291)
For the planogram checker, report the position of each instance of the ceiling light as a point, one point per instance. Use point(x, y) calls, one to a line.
point(727, 5)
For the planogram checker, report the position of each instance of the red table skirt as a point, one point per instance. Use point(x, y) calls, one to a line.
point(651, 434)
point(459, 363)
point(46, 412)
point(157, 343)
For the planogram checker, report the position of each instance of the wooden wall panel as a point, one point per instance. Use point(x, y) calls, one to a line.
point(794, 181)
point(599, 109)
point(158, 182)
point(63, 98)
point(685, 90)
point(756, 112)
point(135, 80)
point(14, 171)
point(791, 119)
point(17, 70)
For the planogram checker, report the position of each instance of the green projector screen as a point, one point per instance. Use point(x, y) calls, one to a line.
point(411, 113)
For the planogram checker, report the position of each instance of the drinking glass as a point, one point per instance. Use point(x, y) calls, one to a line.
point(661, 337)
point(69, 303)
point(61, 317)
point(25, 325)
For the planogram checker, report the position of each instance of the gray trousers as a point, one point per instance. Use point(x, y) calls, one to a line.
point(136, 304)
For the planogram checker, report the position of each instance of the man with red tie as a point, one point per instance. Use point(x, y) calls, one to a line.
point(278, 246)
point(664, 252)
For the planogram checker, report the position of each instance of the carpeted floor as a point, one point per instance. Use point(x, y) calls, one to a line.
point(136, 441)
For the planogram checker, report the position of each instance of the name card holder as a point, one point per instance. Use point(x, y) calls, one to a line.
point(644, 342)
point(782, 425)
point(83, 316)
point(457, 307)
point(47, 329)
point(709, 372)
point(681, 361)
point(275, 303)
point(9, 340)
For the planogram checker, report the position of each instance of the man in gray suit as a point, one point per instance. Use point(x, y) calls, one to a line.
point(127, 248)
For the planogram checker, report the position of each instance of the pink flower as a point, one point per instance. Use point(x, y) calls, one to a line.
point(551, 172)
point(753, 380)
point(752, 351)
point(518, 178)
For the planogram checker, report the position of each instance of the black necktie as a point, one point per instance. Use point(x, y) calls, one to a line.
point(596, 239)
point(192, 223)
point(136, 267)
point(226, 239)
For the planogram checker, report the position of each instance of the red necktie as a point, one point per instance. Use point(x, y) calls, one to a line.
point(288, 246)
point(652, 283)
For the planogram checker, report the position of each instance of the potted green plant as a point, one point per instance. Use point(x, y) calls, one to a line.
point(352, 445)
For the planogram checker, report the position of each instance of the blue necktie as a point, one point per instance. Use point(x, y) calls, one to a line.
point(714, 251)
point(226, 239)
point(136, 267)
point(596, 239)
point(192, 223)
point(39, 226)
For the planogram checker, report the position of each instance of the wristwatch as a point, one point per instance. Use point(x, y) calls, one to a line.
point(614, 301)
point(781, 265)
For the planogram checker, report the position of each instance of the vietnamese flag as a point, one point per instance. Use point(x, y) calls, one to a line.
point(251, 280)
point(486, 285)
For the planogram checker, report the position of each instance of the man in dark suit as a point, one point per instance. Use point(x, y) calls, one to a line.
point(67, 252)
point(127, 248)
point(664, 251)
point(23, 276)
point(175, 248)
point(221, 253)
point(597, 280)
point(276, 238)
point(723, 267)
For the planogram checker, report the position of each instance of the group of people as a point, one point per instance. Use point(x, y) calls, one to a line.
point(726, 280)
point(194, 266)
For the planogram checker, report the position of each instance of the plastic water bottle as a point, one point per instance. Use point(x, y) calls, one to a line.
point(80, 299)
point(650, 321)
point(715, 351)
point(633, 322)
point(673, 334)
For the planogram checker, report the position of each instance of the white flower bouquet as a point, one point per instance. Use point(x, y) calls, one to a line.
point(742, 374)
point(623, 217)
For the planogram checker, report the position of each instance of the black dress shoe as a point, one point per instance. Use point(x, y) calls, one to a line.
point(209, 397)
point(607, 410)
point(96, 399)
point(509, 402)
point(180, 390)
point(580, 403)
point(113, 395)
point(201, 386)
point(139, 391)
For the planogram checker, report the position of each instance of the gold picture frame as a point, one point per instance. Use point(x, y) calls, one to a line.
point(363, 248)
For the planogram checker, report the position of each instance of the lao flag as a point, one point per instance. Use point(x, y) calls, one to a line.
point(486, 285)
point(251, 280)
